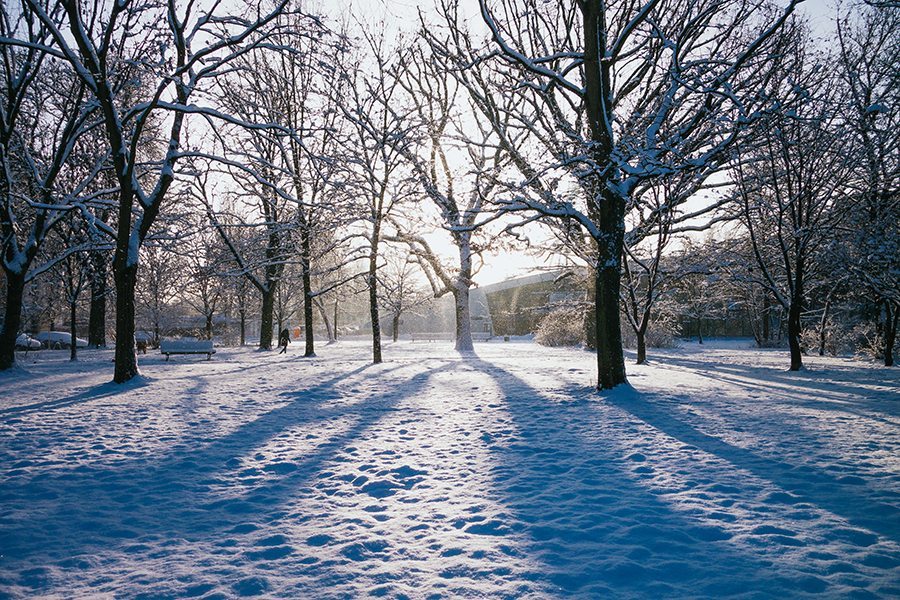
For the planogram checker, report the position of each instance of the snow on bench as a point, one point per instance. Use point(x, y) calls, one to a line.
point(184, 346)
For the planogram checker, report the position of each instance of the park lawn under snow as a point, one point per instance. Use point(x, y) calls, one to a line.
point(494, 474)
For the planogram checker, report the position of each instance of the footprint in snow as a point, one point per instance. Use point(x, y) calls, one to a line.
point(380, 489)
point(273, 553)
point(252, 586)
point(319, 540)
point(364, 551)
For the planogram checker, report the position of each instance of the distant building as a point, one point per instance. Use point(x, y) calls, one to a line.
point(516, 306)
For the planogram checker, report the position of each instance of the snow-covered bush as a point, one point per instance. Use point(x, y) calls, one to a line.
point(840, 340)
point(661, 333)
point(867, 341)
point(561, 327)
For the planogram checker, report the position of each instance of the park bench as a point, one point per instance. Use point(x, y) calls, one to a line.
point(185, 346)
point(437, 337)
point(424, 336)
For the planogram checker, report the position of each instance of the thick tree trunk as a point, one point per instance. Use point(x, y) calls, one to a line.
point(243, 315)
point(395, 327)
point(209, 326)
point(606, 206)
point(610, 358)
point(463, 319)
point(125, 276)
point(305, 264)
point(12, 318)
point(461, 294)
point(890, 333)
point(267, 316)
point(97, 318)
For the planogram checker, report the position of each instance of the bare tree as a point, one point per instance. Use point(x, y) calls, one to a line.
point(867, 63)
point(402, 292)
point(43, 113)
point(159, 285)
point(376, 146)
point(608, 97)
point(287, 167)
point(458, 190)
point(196, 45)
point(788, 185)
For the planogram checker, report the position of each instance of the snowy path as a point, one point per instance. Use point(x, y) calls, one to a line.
point(499, 474)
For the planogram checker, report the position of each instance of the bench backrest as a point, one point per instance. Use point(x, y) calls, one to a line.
point(198, 346)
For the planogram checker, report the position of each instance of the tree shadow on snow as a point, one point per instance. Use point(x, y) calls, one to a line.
point(589, 517)
point(845, 497)
point(200, 491)
point(832, 394)
point(96, 392)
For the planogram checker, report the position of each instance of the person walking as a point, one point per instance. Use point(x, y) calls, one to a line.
point(284, 338)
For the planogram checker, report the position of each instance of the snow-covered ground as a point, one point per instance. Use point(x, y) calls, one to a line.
point(498, 474)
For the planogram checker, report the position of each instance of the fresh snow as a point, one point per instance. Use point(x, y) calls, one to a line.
point(498, 473)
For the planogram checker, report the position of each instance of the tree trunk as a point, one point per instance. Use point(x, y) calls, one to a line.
point(97, 318)
point(606, 206)
point(305, 264)
point(794, 336)
point(463, 319)
point(699, 330)
point(641, 335)
point(334, 321)
point(209, 326)
point(73, 345)
point(12, 317)
point(268, 310)
point(125, 276)
point(395, 327)
point(243, 314)
point(890, 333)
point(822, 325)
point(461, 295)
point(766, 335)
point(329, 330)
point(610, 358)
point(373, 299)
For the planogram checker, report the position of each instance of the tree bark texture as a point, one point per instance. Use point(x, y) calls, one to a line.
point(605, 207)
point(125, 276)
point(305, 264)
point(97, 318)
point(12, 318)
point(373, 300)
point(890, 333)
point(267, 317)
point(461, 296)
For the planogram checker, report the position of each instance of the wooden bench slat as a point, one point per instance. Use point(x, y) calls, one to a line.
point(169, 347)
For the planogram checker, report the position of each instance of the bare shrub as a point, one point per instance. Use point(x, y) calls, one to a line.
point(561, 327)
